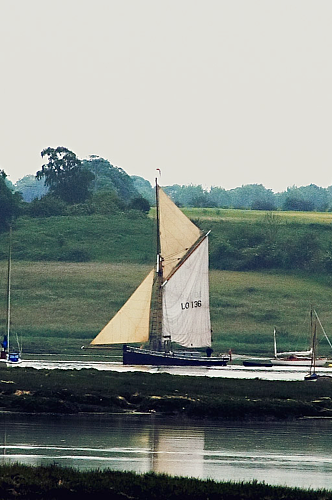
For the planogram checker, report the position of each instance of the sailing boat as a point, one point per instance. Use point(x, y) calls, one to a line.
point(300, 358)
point(6, 354)
point(312, 375)
point(172, 303)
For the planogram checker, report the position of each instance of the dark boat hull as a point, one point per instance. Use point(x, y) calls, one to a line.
point(265, 364)
point(135, 356)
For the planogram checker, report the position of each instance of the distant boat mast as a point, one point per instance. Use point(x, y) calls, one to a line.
point(9, 271)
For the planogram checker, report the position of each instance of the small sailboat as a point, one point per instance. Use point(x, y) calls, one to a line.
point(312, 375)
point(171, 306)
point(291, 358)
point(299, 358)
point(7, 355)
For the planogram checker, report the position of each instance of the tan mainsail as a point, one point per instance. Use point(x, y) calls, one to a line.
point(177, 233)
point(131, 323)
point(184, 286)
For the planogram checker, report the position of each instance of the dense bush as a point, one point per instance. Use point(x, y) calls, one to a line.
point(257, 246)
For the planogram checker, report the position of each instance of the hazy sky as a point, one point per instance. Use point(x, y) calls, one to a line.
point(212, 92)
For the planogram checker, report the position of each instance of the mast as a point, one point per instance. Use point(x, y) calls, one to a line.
point(9, 285)
point(275, 343)
point(156, 308)
point(313, 346)
point(159, 269)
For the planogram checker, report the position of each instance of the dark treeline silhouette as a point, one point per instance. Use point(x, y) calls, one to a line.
point(248, 197)
point(124, 191)
point(254, 197)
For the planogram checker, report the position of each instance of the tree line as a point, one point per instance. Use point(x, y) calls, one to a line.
point(254, 197)
point(66, 185)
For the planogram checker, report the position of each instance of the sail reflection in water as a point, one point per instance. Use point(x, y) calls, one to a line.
point(293, 454)
point(178, 451)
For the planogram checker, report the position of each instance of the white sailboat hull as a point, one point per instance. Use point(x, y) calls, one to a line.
point(298, 362)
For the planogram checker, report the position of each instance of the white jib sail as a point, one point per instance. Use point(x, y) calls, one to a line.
point(177, 233)
point(131, 323)
point(186, 311)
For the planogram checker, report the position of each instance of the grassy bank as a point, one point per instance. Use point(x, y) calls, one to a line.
point(92, 391)
point(18, 481)
point(82, 239)
point(58, 307)
point(58, 304)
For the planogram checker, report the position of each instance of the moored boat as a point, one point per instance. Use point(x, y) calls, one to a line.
point(8, 356)
point(257, 363)
point(171, 305)
point(300, 358)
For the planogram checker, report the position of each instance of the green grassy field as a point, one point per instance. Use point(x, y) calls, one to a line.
point(58, 305)
point(255, 215)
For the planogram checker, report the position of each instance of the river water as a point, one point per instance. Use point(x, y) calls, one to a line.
point(287, 373)
point(287, 453)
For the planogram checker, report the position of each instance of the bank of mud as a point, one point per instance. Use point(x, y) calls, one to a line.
point(92, 391)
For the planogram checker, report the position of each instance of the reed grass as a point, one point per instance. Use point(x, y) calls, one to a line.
point(53, 482)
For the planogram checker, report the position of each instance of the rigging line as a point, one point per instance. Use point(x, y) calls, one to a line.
point(320, 324)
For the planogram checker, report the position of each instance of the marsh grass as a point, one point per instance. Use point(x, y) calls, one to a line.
point(21, 481)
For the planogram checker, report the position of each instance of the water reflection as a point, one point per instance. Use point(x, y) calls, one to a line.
point(294, 454)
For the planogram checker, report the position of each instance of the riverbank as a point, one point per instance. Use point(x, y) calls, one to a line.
point(59, 306)
point(92, 391)
point(19, 481)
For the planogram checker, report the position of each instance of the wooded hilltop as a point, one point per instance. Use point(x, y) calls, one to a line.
point(74, 181)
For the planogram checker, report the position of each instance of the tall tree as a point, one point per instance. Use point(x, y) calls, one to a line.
point(65, 175)
point(110, 178)
point(9, 202)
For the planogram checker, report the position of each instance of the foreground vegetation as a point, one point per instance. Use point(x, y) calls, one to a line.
point(93, 391)
point(19, 481)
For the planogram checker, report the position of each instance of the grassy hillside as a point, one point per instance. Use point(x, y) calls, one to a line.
point(258, 215)
point(120, 238)
point(58, 304)
point(57, 307)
